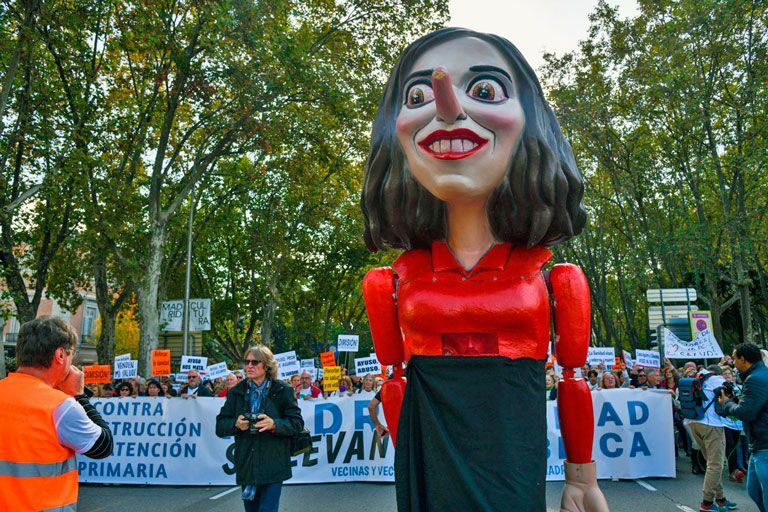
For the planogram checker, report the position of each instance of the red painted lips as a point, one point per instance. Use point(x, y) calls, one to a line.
point(452, 145)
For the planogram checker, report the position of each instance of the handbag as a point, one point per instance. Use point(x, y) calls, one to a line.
point(301, 442)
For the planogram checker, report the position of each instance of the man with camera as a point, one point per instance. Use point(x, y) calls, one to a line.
point(752, 410)
point(262, 413)
point(709, 434)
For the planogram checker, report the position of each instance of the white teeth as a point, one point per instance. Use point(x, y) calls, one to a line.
point(452, 145)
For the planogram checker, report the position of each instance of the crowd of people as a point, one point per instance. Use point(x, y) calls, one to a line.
point(196, 385)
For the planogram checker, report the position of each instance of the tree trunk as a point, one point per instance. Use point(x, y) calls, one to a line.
point(105, 347)
point(269, 314)
point(148, 307)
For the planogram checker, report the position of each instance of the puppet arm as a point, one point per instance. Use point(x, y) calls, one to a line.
point(571, 308)
point(380, 294)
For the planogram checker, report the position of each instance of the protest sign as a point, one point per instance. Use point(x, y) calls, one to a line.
point(198, 363)
point(331, 377)
point(161, 363)
point(97, 374)
point(306, 364)
point(703, 346)
point(648, 358)
point(597, 355)
point(617, 364)
point(216, 371)
point(633, 438)
point(171, 315)
point(123, 357)
point(700, 321)
point(126, 369)
point(348, 342)
point(628, 361)
point(319, 373)
point(366, 365)
point(200, 315)
point(328, 359)
point(287, 364)
point(181, 377)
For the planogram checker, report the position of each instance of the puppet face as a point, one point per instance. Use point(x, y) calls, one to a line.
point(461, 119)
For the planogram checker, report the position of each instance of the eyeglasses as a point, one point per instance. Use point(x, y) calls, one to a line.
point(252, 362)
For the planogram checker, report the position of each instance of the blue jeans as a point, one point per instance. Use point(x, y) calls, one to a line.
point(267, 498)
point(757, 479)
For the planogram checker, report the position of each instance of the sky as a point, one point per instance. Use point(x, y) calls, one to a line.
point(534, 26)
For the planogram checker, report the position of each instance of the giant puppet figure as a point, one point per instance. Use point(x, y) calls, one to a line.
point(470, 173)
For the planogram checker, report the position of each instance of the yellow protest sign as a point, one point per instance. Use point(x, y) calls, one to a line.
point(331, 378)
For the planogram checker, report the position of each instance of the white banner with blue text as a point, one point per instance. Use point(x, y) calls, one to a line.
point(173, 442)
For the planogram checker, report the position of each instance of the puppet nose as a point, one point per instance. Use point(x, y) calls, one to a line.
point(447, 104)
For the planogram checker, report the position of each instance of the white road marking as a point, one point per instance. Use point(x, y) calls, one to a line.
point(221, 494)
point(645, 485)
point(685, 509)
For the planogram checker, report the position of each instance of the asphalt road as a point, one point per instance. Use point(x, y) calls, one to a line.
point(653, 494)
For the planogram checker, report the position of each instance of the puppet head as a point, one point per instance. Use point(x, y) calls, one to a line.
point(463, 117)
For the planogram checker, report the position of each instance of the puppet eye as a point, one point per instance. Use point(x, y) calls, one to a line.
point(419, 94)
point(487, 90)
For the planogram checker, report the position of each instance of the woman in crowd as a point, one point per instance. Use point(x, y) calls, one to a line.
point(154, 389)
point(262, 443)
point(167, 388)
point(124, 390)
point(609, 381)
point(366, 391)
point(551, 384)
point(230, 382)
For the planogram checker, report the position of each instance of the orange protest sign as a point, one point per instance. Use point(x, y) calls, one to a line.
point(618, 365)
point(161, 363)
point(328, 359)
point(97, 374)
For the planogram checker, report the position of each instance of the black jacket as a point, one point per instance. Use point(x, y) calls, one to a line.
point(752, 408)
point(265, 457)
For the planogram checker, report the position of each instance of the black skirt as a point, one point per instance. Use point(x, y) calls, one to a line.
point(472, 435)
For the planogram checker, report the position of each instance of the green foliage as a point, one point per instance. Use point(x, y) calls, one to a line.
point(667, 115)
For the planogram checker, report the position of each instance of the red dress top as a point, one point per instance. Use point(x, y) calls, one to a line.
point(499, 307)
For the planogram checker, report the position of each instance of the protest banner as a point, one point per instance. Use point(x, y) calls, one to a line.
point(704, 346)
point(159, 439)
point(348, 342)
point(331, 377)
point(199, 315)
point(126, 369)
point(123, 357)
point(198, 363)
point(216, 371)
point(161, 363)
point(648, 358)
point(171, 315)
point(597, 355)
point(366, 365)
point(97, 374)
point(328, 359)
point(628, 361)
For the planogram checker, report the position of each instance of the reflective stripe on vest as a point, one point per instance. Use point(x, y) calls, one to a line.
point(31, 469)
point(66, 508)
point(37, 472)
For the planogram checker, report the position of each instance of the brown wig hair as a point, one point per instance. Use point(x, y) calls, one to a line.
point(539, 201)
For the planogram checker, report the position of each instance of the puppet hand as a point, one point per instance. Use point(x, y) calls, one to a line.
point(581, 493)
point(392, 393)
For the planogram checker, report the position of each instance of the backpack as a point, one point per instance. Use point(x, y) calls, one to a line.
point(692, 398)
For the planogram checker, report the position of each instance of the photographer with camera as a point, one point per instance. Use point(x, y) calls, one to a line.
point(262, 413)
point(752, 410)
